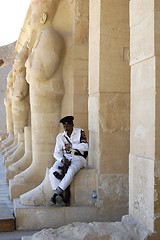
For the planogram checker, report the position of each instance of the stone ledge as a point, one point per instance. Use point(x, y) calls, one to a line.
point(39, 217)
point(16, 189)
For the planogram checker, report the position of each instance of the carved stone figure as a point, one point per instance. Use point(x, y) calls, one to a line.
point(44, 73)
point(8, 104)
point(20, 104)
point(20, 99)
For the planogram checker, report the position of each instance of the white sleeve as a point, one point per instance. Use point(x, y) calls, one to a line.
point(58, 154)
point(83, 145)
point(80, 146)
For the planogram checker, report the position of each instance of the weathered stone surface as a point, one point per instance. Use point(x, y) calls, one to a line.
point(84, 231)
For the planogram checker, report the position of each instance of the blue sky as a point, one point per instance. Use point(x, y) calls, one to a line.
point(12, 15)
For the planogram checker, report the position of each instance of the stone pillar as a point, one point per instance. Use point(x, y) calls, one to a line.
point(109, 83)
point(144, 181)
point(80, 63)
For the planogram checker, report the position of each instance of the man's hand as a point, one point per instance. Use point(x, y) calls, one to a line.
point(67, 146)
point(66, 161)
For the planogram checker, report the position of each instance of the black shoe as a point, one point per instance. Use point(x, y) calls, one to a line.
point(57, 175)
point(53, 198)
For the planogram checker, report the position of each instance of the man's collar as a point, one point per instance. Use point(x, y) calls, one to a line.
point(73, 132)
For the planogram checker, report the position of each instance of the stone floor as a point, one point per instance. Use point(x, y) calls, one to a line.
point(4, 199)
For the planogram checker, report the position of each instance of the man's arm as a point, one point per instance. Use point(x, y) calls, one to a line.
point(58, 154)
point(83, 145)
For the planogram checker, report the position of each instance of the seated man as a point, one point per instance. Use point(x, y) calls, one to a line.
point(71, 150)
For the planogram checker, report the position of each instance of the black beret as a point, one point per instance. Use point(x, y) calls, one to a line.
point(67, 120)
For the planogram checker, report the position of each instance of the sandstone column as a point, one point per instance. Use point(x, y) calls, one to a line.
point(109, 82)
point(144, 181)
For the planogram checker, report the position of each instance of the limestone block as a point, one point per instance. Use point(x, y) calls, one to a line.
point(87, 231)
point(80, 103)
point(112, 196)
point(82, 72)
point(81, 51)
point(135, 228)
point(142, 30)
point(82, 187)
point(93, 153)
point(80, 84)
point(81, 24)
point(142, 190)
point(16, 189)
point(115, 67)
point(94, 49)
point(81, 120)
point(80, 63)
point(114, 133)
point(93, 105)
point(114, 39)
point(51, 216)
point(143, 111)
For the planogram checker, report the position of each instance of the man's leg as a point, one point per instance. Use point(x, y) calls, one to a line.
point(75, 166)
point(53, 179)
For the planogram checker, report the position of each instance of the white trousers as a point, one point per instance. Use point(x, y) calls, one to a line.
point(77, 162)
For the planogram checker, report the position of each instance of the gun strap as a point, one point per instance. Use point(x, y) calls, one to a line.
point(67, 139)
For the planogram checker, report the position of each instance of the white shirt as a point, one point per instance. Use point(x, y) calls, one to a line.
point(75, 139)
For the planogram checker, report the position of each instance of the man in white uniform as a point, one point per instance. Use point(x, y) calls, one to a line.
point(71, 150)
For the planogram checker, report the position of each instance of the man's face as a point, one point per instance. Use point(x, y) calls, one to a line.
point(68, 128)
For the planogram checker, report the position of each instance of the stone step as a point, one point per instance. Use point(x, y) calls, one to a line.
point(40, 217)
point(7, 220)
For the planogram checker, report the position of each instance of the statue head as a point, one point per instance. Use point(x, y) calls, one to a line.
point(19, 61)
point(43, 12)
point(21, 88)
point(10, 79)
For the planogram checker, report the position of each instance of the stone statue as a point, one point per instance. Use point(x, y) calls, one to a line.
point(20, 99)
point(20, 102)
point(8, 104)
point(44, 74)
